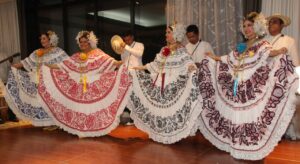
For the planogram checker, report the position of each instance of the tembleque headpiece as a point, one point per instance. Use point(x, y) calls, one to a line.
point(93, 40)
point(53, 38)
point(259, 24)
point(178, 31)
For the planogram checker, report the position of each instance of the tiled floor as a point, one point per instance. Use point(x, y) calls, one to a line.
point(36, 146)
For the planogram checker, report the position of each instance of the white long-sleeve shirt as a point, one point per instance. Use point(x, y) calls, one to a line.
point(279, 41)
point(198, 50)
point(132, 55)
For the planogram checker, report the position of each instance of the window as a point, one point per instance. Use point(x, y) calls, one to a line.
point(146, 18)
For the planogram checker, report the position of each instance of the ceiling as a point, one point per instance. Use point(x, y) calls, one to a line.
point(146, 15)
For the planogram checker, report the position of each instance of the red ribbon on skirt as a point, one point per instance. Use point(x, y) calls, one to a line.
point(162, 82)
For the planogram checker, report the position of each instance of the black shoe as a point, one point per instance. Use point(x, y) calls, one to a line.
point(124, 118)
point(1, 121)
point(11, 116)
point(14, 120)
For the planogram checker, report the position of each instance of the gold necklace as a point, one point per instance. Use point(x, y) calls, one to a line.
point(83, 78)
point(241, 61)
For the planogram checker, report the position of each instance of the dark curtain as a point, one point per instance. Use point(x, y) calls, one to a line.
point(28, 25)
point(251, 5)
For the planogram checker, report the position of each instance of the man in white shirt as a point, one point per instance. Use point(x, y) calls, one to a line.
point(133, 51)
point(278, 40)
point(276, 23)
point(196, 47)
point(131, 57)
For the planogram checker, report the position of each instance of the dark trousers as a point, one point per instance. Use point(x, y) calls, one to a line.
point(11, 115)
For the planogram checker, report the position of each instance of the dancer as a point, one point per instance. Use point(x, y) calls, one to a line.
point(131, 56)
point(278, 40)
point(21, 87)
point(248, 96)
point(85, 96)
point(163, 103)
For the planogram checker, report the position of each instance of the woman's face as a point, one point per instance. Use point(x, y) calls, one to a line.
point(84, 44)
point(45, 41)
point(248, 29)
point(169, 36)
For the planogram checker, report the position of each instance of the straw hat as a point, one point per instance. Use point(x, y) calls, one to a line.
point(286, 20)
point(116, 42)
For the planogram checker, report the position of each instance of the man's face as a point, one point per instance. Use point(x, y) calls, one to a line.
point(128, 39)
point(192, 37)
point(275, 26)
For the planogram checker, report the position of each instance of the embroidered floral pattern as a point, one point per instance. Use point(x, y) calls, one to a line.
point(56, 55)
point(246, 134)
point(90, 66)
point(96, 90)
point(94, 112)
point(25, 108)
point(175, 63)
point(248, 89)
point(171, 94)
point(102, 118)
point(259, 50)
point(22, 90)
point(168, 115)
point(169, 124)
point(29, 87)
point(286, 66)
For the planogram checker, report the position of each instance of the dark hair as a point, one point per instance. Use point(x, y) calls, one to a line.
point(46, 34)
point(85, 35)
point(171, 28)
point(127, 33)
point(192, 28)
point(251, 16)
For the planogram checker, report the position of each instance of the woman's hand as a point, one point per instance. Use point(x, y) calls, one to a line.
point(140, 68)
point(282, 50)
point(118, 63)
point(52, 66)
point(191, 68)
point(216, 58)
point(17, 65)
